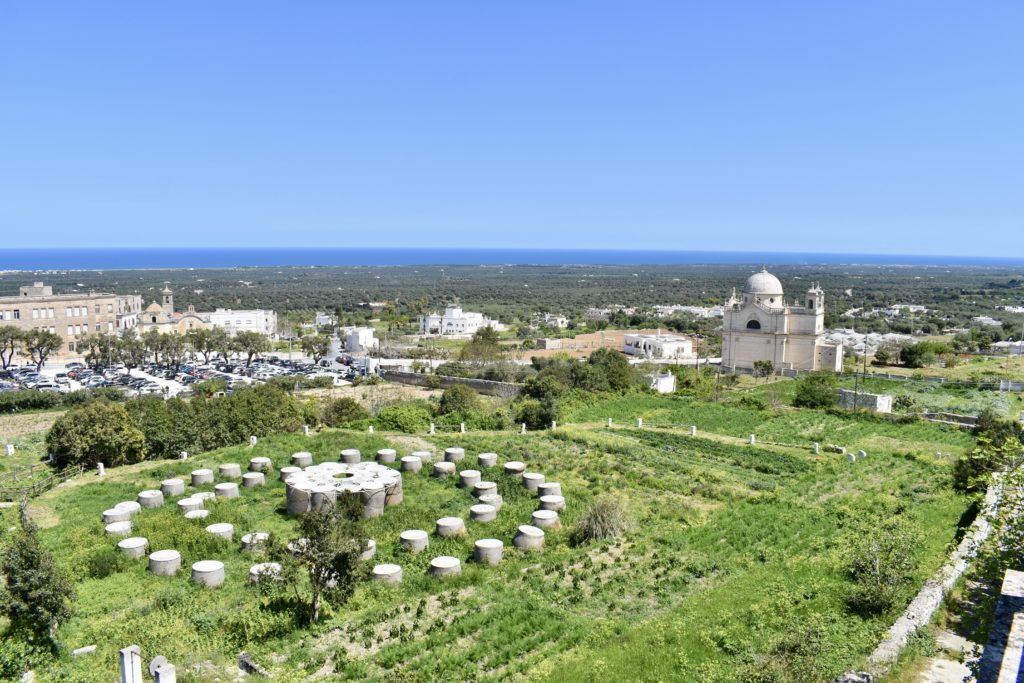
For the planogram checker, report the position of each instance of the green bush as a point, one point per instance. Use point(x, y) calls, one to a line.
point(96, 432)
point(409, 417)
point(817, 390)
point(535, 414)
point(341, 411)
point(459, 400)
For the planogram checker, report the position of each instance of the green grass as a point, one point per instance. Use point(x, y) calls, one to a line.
point(730, 548)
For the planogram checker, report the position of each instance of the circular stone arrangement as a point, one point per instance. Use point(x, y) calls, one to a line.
point(468, 478)
point(484, 488)
point(550, 488)
point(164, 562)
point(115, 515)
point(197, 514)
point(492, 499)
point(546, 519)
point(444, 469)
point(190, 504)
point(552, 502)
point(532, 480)
point(288, 471)
point(208, 573)
point(376, 485)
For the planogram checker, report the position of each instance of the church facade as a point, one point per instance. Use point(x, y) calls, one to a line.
point(760, 325)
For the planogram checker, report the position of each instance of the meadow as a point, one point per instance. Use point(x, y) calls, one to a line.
point(732, 550)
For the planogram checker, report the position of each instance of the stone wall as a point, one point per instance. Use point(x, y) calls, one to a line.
point(502, 389)
point(876, 403)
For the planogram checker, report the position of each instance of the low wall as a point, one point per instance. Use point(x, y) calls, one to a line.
point(1001, 660)
point(484, 386)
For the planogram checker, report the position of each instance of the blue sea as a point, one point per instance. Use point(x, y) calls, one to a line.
point(156, 258)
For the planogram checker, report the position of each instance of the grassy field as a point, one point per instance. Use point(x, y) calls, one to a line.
point(731, 550)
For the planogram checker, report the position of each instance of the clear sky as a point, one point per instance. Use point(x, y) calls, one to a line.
point(891, 127)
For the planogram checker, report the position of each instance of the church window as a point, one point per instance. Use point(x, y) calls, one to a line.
point(810, 303)
point(154, 318)
point(753, 325)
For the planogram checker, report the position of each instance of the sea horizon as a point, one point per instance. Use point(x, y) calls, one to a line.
point(156, 258)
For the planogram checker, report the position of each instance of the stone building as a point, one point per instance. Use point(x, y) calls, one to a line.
point(455, 322)
point(70, 315)
point(762, 326)
point(161, 317)
point(663, 346)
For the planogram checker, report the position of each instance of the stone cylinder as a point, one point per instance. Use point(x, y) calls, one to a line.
point(254, 540)
point(386, 455)
point(492, 499)
point(227, 489)
point(222, 530)
point(200, 477)
point(261, 464)
point(528, 538)
point(230, 470)
point(414, 540)
point(556, 503)
point(393, 492)
point(450, 526)
point(164, 562)
point(369, 550)
point(444, 469)
point(482, 513)
point(411, 463)
point(350, 456)
point(134, 546)
point(189, 504)
point(287, 471)
point(515, 468)
point(115, 515)
point(203, 496)
point(251, 480)
point(264, 571)
point(424, 456)
point(550, 488)
point(129, 506)
point(118, 528)
point(487, 459)
point(387, 573)
point(545, 519)
point(373, 500)
point(197, 514)
point(468, 478)
point(445, 565)
point(323, 495)
point(302, 459)
point(150, 498)
point(484, 488)
point(209, 573)
point(172, 487)
point(454, 454)
point(298, 501)
point(532, 480)
point(488, 551)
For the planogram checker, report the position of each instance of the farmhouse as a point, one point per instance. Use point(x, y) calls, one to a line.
point(657, 346)
point(455, 322)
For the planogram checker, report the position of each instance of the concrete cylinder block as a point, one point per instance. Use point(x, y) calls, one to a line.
point(172, 487)
point(552, 502)
point(387, 573)
point(254, 540)
point(261, 464)
point(264, 571)
point(373, 500)
point(251, 480)
point(450, 526)
point(115, 515)
point(411, 463)
point(134, 546)
point(118, 528)
point(515, 468)
point(393, 492)
point(209, 573)
point(550, 488)
point(492, 499)
point(299, 500)
point(129, 506)
point(298, 546)
point(189, 504)
point(484, 488)
point(545, 519)
point(468, 478)
point(200, 477)
point(197, 514)
point(424, 456)
point(414, 540)
point(204, 495)
point(229, 470)
point(369, 550)
point(851, 457)
point(482, 512)
point(454, 454)
point(287, 471)
point(445, 565)
point(164, 562)
point(323, 495)
point(488, 551)
point(862, 454)
point(350, 456)
point(150, 498)
point(302, 459)
point(386, 455)
point(528, 538)
point(227, 489)
point(532, 480)
point(487, 459)
point(444, 469)
point(222, 530)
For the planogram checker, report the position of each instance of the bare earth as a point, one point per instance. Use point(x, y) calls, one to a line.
point(14, 426)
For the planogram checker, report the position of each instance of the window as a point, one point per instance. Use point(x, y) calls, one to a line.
point(71, 331)
point(753, 325)
point(110, 308)
point(810, 303)
point(17, 314)
point(97, 309)
point(97, 327)
point(154, 318)
point(49, 313)
point(71, 346)
point(35, 313)
point(110, 327)
point(67, 312)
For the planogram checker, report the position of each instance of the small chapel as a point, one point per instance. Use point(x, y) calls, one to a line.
point(762, 326)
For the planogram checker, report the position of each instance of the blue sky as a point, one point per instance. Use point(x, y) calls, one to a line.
point(777, 126)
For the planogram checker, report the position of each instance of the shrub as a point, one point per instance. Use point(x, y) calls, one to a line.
point(881, 565)
point(404, 417)
point(35, 595)
point(816, 390)
point(459, 399)
point(96, 432)
point(535, 414)
point(606, 518)
point(341, 411)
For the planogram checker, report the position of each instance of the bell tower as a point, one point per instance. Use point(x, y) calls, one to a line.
point(167, 300)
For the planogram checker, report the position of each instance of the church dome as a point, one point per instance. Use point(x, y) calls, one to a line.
point(763, 284)
point(154, 308)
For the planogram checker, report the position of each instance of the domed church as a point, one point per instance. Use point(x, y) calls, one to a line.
point(762, 326)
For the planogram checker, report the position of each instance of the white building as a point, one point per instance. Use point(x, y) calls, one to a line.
point(663, 383)
point(695, 311)
point(553, 320)
point(762, 326)
point(258, 320)
point(455, 322)
point(987, 321)
point(360, 339)
point(657, 346)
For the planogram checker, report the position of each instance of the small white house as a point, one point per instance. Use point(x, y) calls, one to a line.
point(455, 322)
point(553, 320)
point(657, 346)
point(360, 339)
point(663, 383)
point(258, 320)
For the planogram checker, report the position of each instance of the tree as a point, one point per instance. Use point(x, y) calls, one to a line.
point(881, 564)
point(317, 346)
point(458, 400)
point(154, 343)
point(616, 368)
point(174, 348)
point(329, 555)
point(35, 595)
point(482, 348)
point(131, 350)
point(341, 411)
point(98, 431)
point(100, 348)
point(40, 344)
point(816, 390)
point(251, 344)
point(764, 368)
point(207, 342)
point(10, 339)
